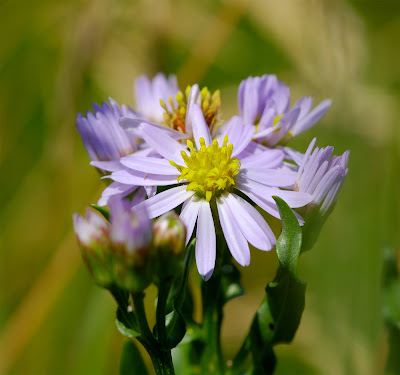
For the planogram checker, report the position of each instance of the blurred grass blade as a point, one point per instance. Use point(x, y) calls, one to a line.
point(391, 308)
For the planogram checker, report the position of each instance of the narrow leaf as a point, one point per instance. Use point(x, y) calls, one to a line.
point(279, 314)
point(286, 297)
point(176, 328)
point(289, 242)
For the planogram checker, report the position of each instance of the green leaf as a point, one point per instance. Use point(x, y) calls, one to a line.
point(288, 245)
point(176, 328)
point(286, 296)
point(102, 210)
point(131, 362)
point(279, 315)
point(127, 324)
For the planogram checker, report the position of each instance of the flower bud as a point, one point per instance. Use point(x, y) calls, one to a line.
point(92, 234)
point(169, 243)
point(131, 239)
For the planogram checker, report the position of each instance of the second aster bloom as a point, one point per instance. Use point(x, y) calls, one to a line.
point(264, 103)
point(177, 114)
point(101, 134)
point(208, 173)
point(148, 93)
point(106, 142)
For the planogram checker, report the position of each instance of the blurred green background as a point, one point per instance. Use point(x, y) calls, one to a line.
point(57, 57)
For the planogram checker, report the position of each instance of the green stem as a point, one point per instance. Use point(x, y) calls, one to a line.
point(212, 361)
point(212, 357)
point(145, 332)
point(120, 296)
point(185, 277)
point(163, 292)
point(161, 359)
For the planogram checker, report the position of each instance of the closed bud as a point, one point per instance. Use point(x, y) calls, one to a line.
point(169, 242)
point(92, 234)
point(131, 243)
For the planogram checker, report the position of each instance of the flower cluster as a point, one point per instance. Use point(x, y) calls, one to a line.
point(176, 152)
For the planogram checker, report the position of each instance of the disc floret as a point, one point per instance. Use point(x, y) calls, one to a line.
point(175, 113)
point(210, 170)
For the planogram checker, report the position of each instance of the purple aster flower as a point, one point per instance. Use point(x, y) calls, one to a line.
point(212, 171)
point(264, 102)
point(101, 134)
point(322, 176)
point(106, 142)
point(148, 94)
point(177, 115)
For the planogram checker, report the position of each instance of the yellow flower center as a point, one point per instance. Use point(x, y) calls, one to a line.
point(174, 116)
point(210, 170)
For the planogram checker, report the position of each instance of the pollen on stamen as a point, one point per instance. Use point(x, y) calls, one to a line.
point(175, 112)
point(210, 170)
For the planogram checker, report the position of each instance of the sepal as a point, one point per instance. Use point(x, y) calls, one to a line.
point(102, 210)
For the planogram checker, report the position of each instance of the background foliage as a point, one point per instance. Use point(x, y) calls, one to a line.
point(57, 57)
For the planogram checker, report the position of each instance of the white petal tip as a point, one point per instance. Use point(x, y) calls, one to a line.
point(207, 276)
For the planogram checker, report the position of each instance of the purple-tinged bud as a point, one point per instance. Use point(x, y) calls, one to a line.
point(131, 237)
point(169, 243)
point(321, 176)
point(92, 234)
